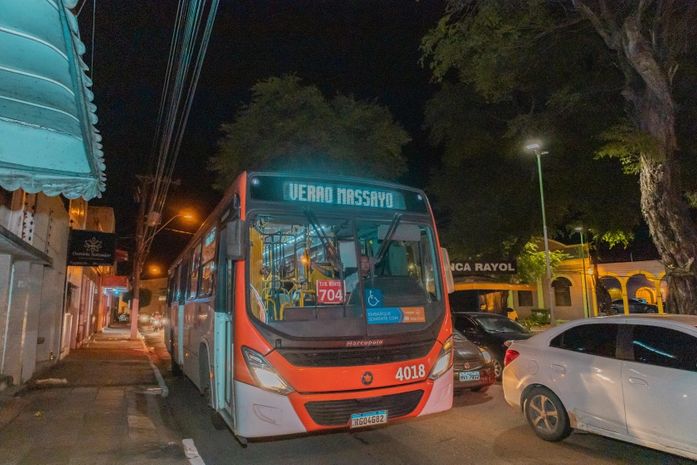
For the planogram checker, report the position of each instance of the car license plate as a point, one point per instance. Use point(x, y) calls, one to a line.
point(469, 376)
point(376, 417)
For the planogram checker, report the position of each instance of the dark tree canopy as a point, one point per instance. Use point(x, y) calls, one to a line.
point(290, 126)
point(605, 79)
point(497, 92)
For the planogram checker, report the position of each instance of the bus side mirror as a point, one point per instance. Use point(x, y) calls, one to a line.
point(234, 239)
point(449, 281)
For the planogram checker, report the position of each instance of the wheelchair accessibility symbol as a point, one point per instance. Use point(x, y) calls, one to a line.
point(374, 298)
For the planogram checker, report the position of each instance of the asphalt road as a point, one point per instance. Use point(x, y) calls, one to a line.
point(481, 429)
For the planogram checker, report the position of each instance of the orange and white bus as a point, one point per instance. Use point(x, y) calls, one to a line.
point(307, 303)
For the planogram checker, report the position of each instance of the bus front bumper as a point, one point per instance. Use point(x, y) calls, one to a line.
point(261, 413)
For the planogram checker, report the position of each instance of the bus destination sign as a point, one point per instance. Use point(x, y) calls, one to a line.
point(349, 196)
point(306, 190)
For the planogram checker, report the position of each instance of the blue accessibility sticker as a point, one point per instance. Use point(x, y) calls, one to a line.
point(374, 298)
point(384, 315)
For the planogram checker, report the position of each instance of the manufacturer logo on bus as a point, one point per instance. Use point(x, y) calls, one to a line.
point(367, 378)
point(365, 343)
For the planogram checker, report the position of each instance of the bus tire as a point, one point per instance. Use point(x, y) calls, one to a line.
point(174, 368)
point(218, 421)
point(205, 376)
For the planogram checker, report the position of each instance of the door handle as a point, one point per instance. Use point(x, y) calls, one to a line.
point(558, 368)
point(637, 381)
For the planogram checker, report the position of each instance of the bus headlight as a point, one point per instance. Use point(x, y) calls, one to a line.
point(445, 360)
point(265, 376)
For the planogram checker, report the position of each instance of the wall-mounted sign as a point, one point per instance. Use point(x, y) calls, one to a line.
point(463, 268)
point(91, 248)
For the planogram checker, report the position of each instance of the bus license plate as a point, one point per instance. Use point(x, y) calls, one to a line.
point(377, 417)
point(469, 376)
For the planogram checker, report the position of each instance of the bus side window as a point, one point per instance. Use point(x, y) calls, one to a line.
point(207, 282)
point(183, 281)
point(195, 272)
point(171, 283)
point(224, 280)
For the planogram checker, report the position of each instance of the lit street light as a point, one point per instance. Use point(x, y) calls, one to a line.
point(143, 246)
point(535, 148)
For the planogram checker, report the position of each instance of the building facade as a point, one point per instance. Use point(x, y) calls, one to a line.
point(46, 307)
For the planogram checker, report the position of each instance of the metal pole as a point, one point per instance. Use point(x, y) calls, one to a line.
point(548, 267)
point(586, 310)
point(137, 263)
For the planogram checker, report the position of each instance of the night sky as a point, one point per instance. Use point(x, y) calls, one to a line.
point(364, 48)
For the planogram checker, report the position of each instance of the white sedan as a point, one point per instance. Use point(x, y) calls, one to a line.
point(632, 378)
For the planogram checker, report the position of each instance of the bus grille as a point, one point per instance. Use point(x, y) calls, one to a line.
point(338, 412)
point(346, 357)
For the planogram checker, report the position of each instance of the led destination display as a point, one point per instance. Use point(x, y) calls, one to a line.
point(341, 195)
point(302, 190)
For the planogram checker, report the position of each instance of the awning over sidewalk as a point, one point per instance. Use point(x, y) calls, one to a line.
point(48, 142)
point(14, 245)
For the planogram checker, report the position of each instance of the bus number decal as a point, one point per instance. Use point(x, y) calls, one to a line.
point(410, 372)
point(330, 291)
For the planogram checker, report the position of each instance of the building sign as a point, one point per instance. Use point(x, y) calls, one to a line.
point(464, 268)
point(320, 192)
point(91, 248)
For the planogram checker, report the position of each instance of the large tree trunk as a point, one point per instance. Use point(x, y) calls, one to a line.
point(673, 233)
point(662, 203)
point(648, 92)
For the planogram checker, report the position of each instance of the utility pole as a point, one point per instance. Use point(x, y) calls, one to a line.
point(140, 249)
point(137, 255)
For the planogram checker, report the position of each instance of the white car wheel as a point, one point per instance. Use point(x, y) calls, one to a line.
point(546, 415)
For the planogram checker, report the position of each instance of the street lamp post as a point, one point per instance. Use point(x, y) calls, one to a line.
point(138, 261)
point(535, 148)
point(586, 310)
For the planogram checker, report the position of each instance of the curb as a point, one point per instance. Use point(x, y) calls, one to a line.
point(10, 408)
point(164, 390)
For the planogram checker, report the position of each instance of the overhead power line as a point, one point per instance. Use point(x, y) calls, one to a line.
point(188, 46)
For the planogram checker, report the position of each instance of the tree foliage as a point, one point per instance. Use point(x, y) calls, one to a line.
point(290, 126)
point(487, 185)
point(532, 263)
point(610, 80)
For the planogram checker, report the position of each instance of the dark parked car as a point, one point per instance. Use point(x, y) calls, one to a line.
point(473, 365)
point(635, 306)
point(491, 331)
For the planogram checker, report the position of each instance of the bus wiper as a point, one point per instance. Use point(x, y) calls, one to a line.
point(332, 254)
point(388, 237)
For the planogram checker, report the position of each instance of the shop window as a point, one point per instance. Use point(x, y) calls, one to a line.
point(562, 292)
point(525, 298)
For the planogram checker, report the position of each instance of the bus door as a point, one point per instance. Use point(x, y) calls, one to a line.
point(223, 329)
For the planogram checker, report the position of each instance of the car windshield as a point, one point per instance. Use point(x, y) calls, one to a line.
point(496, 324)
point(328, 277)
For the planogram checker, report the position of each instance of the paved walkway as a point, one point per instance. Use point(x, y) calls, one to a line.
point(100, 405)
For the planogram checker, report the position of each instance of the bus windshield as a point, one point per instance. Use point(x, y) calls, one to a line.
point(311, 277)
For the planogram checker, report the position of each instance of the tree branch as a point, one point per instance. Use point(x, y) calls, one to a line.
point(605, 25)
point(563, 25)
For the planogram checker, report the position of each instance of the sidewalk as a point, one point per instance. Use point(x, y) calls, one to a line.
point(100, 405)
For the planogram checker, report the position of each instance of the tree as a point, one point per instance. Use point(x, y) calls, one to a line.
point(290, 126)
point(532, 264)
point(629, 62)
